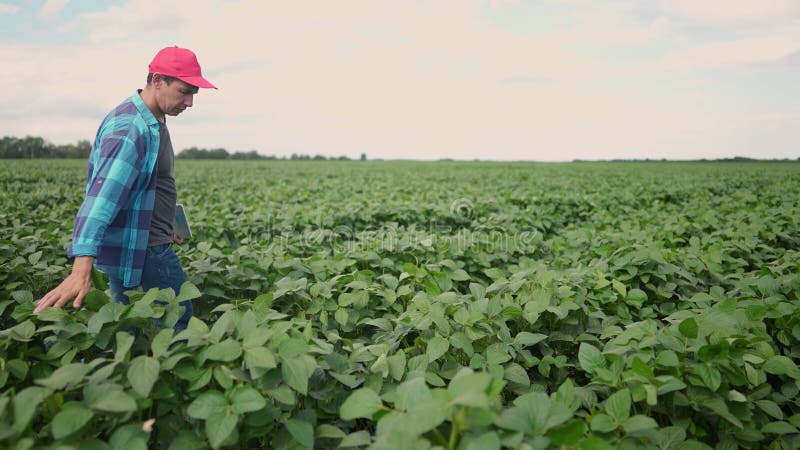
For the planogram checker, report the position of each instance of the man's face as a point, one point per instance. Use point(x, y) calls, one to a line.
point(173, 97)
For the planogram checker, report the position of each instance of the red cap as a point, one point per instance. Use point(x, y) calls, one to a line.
point(180, 63)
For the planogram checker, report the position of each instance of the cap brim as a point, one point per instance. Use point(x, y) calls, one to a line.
point(198, 81)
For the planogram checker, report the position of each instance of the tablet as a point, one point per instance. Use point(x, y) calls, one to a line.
point(180, 225)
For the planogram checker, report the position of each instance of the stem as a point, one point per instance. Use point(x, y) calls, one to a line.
point(439, 437)
point(454, 429)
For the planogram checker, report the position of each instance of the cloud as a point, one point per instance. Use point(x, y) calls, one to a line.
point(617, 23)
point(51, 9)
point(742, 53)
point(8, 9)
point(136, 20)
point(399, 80)
point(735, 13)
point(793, 59)
point(525, 79)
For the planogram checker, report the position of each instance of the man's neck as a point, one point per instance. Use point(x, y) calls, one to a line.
point(149, 99)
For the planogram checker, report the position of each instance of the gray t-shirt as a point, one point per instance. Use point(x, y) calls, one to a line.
point(166, 194)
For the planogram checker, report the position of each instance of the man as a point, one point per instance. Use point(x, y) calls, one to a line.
point(124, 226)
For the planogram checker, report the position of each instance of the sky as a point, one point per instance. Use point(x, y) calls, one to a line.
point(545, 80)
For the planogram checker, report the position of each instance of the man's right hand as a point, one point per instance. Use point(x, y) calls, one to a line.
point(75, 286)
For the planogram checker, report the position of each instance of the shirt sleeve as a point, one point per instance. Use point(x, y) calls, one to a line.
point(116, 167)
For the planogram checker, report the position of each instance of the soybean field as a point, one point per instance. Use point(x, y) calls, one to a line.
point(419, 305)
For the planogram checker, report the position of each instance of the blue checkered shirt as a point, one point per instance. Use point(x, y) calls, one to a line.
point(113, 222)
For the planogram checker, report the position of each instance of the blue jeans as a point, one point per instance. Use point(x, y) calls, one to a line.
point(162, 269)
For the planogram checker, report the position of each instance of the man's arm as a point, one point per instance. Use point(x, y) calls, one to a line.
point(76, 286)
point(113, 178)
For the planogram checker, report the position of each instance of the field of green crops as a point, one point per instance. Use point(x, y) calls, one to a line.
point(402, 305)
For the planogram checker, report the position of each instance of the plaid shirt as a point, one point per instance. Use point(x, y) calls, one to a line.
point(113, 222)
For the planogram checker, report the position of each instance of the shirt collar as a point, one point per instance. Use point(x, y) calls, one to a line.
point(143, 109)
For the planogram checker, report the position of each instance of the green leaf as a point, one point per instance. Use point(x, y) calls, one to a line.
point(530, 414)
point(639, 423)
point(437, 346)
point(478, 291)
point(188, 292)
point(161, 342)
point(224, 377)
point(603, 423)
point(461, 341)
point(25, 404)
point(469, 389)
point(326, 431)
point(219, 427)
point(341, 315)
point(781, 365)
point(779, 428)
point(525, 339)
point(689, 328)
point(669, 384)
point(143, 374)
point(302, 431)
point(109, 312)
point(69, 375)
point(619, 287)
point(719, 406)
point(283, 394)
point(357, 439)
point(618, 405)
point(361, 403)
point(636, 298)
point(595, 443)
point(259, 357)
point(517, 374)
point(22, 297)
point(771, 408)
point(667, 358)
point(487, 441)
point(245, 399)
point(381, 366)
point(52, 315)
point(70, 419)
point(114, 401)
point(709, 375)
point(497, 354)
point(129, 437)
point(460, 275)
point(568, 434)
point(18, 368)
point(495, 273)
point(422, 417)
point(124, 342)
point(256, 338)
point(186, 440)
point(296, 374)
point(227, 350)
point(22, 332)
point(397, 365)
point(207, 404)
point(410, 393)
point(640, 368)
point(290, 348)
point(590, 358)
point(670, 437)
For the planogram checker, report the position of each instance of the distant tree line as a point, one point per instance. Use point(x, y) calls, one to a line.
point(221, 153)
point(36, 147)
point(734, 159)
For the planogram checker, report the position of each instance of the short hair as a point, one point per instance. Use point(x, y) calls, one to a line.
point(167, 79)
